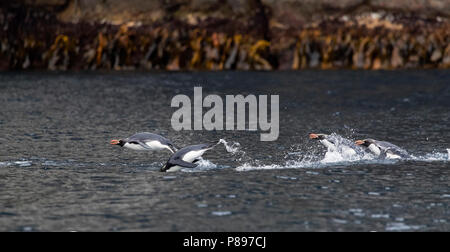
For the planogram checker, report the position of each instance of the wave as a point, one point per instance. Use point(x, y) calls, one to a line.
point(203, 165)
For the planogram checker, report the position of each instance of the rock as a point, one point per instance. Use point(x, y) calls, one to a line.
point(224, 34)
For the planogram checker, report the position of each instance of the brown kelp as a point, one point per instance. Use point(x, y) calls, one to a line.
point(34, 38)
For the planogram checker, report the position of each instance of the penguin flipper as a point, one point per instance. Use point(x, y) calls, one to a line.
point(183, 163)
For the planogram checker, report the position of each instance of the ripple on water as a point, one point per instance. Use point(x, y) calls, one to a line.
point(286, 178)
point(23, 163)
point(400, 226)
point(4, 164)
point(202, 205)
point(356, 211)
point(221, 213)
point(380, 216)
point(50, 163)
point(340, 221)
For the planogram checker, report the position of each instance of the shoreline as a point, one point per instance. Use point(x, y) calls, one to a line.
point(36, 38)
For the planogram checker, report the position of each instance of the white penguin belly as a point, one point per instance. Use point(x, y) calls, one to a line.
point(374, 149)
point(392, 156)
point(151, 146)
point(156, 145)
point(134, 147)
point(193, 155)
point(174, 168)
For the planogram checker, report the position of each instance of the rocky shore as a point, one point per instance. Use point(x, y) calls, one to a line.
point(224, 34)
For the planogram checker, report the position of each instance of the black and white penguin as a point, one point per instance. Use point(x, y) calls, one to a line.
point(383, 149)
point(187, 157)
point(146, 142)
point(322, 138)
point(327, 141)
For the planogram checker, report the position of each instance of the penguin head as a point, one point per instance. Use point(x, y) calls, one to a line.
point(317, 136)
point(120, 142)
point(365, 142)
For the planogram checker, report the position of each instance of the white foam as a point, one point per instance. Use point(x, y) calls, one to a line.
point(51, 163)
point(344, 153)
point(233, 148)
point(221, 213)
point(400, 226)
point(5, 164)
point(431, 157)
point(203, 165)
point(380, 216)
point(23, 163)
point(250, 167)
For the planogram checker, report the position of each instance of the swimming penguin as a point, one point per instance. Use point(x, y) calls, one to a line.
point(383, 149)
point(186, 157)
point(146, 142)
point(333, 143)
point(323, 140)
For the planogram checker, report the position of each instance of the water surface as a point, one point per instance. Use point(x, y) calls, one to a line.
point(59, 173)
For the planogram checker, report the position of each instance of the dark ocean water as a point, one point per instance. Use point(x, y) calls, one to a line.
point(58, 171)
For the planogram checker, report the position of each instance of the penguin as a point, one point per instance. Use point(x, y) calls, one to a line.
point(187, 157)
point(146, 142)
point(345, 146)
point(323, 139)
point(383, 149)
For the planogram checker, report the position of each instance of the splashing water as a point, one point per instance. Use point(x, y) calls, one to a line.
point(23, 163)
point(344, 152)
point(236, 151)
point(431, 157)
point(231, 148)
point(203, 165)
point(206, 164)
point(4, 164)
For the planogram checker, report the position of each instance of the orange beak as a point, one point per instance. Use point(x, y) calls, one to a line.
point(115, 142)
point(313, 136)
point(359, 142)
